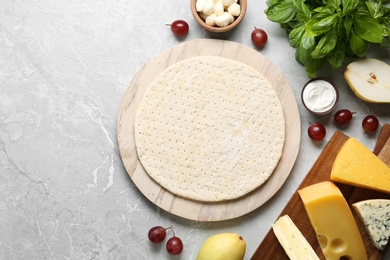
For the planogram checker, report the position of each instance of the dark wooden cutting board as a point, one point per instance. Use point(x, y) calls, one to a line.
point(270, 247)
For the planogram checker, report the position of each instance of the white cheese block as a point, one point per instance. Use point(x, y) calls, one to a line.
point(375, 215)
point(293, 242)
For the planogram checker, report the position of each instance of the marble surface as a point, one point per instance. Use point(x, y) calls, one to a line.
point(64, 67)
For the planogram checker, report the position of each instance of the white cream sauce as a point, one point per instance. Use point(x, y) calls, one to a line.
point(319, 96)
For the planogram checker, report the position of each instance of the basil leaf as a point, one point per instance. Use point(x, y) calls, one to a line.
point(336, 58)
point(386, 31)
point(326, 44)
point(286, 26)
point(307, 45)
point(358, 45)
point(303, 12)
point(340, 27)
point(282, 12)
point(361, 9)
point(349, 5)
point(296, 35)
point(348, 23)
point(315, 3)
point(324, 24)
point(297, 57)
point(293, 23)
point(368, 28)
point(272, 2)
point(309, 25)
point(314, 67)
point(324, 10)
point(315, 19)
point(335, 4)
point(375, 8)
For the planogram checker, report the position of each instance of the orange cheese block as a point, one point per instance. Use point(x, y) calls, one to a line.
point(333, 222)
point(356, 165)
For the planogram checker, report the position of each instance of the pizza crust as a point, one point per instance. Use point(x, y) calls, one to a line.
point(210, 129)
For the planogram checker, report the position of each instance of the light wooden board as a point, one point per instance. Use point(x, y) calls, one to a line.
point(270, 248)
point(190, 209)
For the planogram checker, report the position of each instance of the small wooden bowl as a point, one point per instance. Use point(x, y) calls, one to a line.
point(217, 29)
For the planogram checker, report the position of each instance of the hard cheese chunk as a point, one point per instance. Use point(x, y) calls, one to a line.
point(333, 222)
point(357, 166)
point(293, 242)
point(375, 215)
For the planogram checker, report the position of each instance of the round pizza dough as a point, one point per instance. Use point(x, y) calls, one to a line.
point(210, 129)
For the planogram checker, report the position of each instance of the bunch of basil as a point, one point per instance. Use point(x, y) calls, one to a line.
point(331, 30)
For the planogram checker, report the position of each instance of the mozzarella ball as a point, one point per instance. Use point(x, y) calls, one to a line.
point(234, 9)
point(225, 19)
point(210, 20)
point(219, 8)
point(208, 7)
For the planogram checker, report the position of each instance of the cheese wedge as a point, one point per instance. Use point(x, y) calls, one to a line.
point(375, 215)
point(356, 165)
point(333, 222)
point(293, 242)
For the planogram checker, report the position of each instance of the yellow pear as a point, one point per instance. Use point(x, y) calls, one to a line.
point(369, 80)
point(225, 246)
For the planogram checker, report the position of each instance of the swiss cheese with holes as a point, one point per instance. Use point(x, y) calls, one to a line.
point(210, 129)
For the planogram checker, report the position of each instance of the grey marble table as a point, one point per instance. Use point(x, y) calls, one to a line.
point(64, 67)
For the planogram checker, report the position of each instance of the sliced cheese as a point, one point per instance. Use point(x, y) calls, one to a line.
point(375, 215)
point(356, 165)
point(293, 242)
point(333, 222)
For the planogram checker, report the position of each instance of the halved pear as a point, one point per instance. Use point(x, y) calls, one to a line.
point(369, 79)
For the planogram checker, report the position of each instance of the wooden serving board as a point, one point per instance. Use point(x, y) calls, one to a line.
point(196, 210)
point(270, 248)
